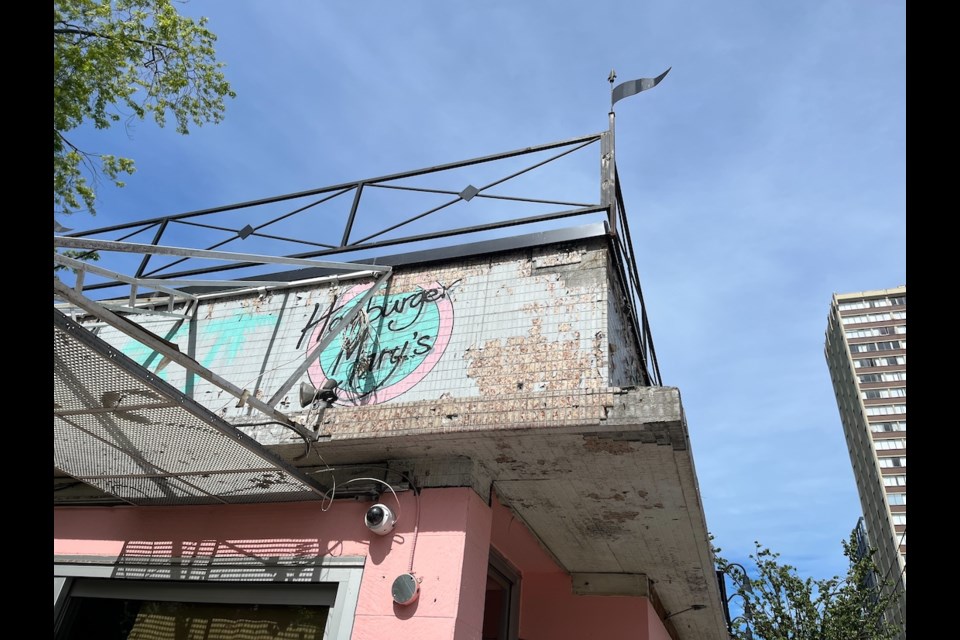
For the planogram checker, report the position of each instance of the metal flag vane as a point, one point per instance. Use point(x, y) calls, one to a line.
point(608, 165)
point(630, 87)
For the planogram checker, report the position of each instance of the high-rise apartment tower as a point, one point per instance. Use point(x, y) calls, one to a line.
point(866, 351)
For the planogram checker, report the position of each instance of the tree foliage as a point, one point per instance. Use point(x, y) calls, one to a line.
point(780, 605)
point(125, 59)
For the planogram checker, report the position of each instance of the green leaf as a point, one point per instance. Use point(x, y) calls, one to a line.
point(780, 605)
point(130, 59)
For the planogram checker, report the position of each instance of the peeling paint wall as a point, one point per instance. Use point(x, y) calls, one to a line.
point(536, 319)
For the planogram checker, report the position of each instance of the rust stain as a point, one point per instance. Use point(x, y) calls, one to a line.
point(603, 528)
point(616, 496)
point(620, 516)
point(504, 459)
point(658, 505)
point(539, 503)
point(598, 445)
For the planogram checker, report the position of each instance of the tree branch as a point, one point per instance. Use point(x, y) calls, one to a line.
point(75, 31)
point(69, 144)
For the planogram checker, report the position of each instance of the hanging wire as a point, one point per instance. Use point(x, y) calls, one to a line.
point(416, 528)
point(405, 477)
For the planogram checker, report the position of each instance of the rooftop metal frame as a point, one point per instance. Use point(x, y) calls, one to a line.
point(163, 280)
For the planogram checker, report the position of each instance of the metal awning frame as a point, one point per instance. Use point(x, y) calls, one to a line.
point(171, 398)
point(76, 299)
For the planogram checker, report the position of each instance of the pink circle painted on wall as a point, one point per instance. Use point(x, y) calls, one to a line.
point(389, 347)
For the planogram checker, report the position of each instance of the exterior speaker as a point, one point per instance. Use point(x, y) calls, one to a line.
point(406, 589)
point(308, 393)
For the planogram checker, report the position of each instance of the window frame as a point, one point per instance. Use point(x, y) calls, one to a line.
point(75, 575)
point(508, 577)
point(899, 501)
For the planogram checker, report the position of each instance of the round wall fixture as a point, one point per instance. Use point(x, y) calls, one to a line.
point(406, 589)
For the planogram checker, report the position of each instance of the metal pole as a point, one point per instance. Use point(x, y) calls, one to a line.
point(156, 241)
point(134, 247)
point(608, 192)
point(353, 214)
point(608, 195)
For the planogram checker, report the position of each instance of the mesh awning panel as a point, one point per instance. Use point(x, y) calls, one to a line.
point(122, 429)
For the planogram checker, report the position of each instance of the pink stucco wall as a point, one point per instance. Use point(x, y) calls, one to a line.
point(549, 610)
point(453, 542)
point(655, 628)
point(451, 550)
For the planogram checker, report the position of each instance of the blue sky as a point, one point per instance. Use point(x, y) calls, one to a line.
point(765, 173)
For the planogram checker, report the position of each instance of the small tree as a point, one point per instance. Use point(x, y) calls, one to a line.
point(780, 605)
point(116, 59)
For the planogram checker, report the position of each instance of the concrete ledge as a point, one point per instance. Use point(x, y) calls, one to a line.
point(654, 412)
point(611, 584)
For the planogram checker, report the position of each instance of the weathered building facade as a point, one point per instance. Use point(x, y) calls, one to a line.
point(494, 398)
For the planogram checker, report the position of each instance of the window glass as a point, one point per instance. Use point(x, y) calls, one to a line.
point(886, 409)
point(890, 443)
point(880, 427)
point(112, 619)
point(896, 461)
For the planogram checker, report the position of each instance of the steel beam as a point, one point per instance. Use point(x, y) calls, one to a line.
point(134, 247)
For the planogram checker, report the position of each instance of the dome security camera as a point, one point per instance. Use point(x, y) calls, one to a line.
point(380, 519)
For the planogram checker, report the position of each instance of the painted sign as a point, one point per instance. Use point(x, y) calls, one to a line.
point(223, 340)
point(390, 346)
